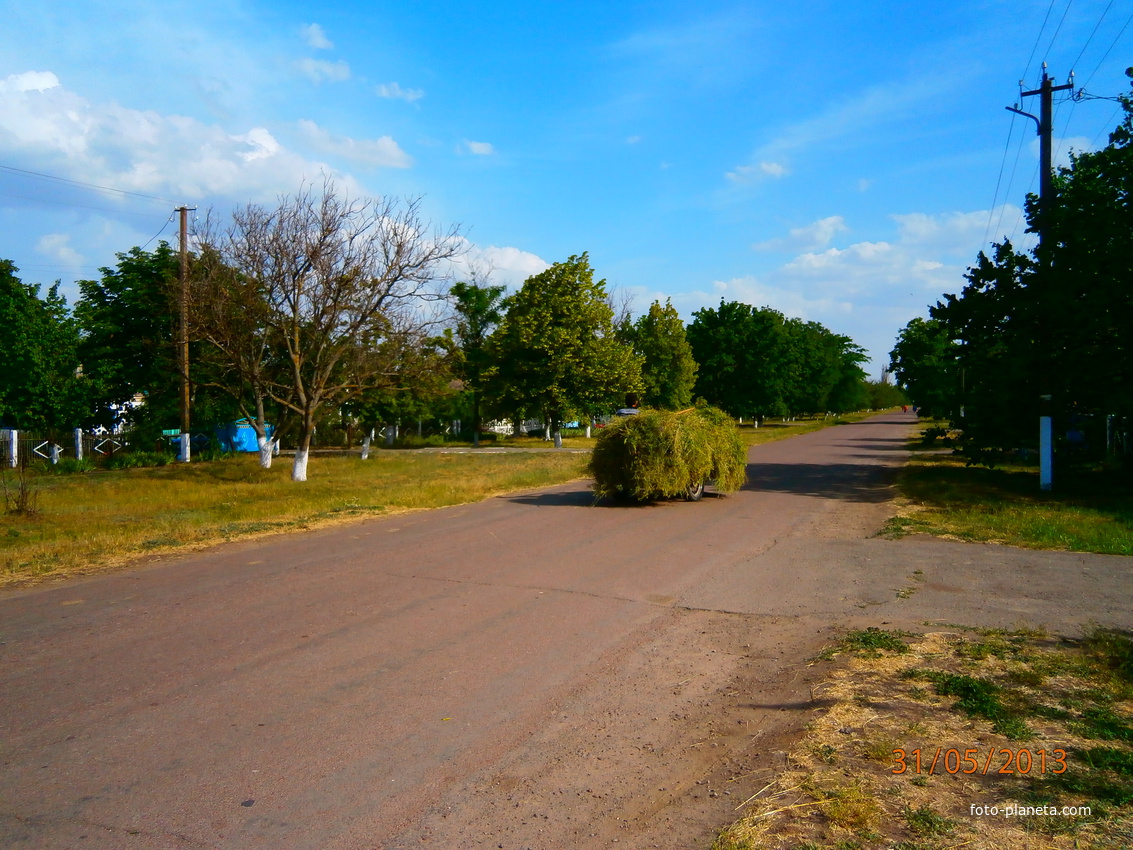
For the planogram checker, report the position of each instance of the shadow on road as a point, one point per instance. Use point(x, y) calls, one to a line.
point(848, 481)
point(586, 499)
point(885, 444)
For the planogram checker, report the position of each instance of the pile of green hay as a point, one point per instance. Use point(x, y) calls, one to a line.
point(659, 454)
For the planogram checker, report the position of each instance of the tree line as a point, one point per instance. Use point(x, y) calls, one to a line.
point(325, 309)
point(1046, 331)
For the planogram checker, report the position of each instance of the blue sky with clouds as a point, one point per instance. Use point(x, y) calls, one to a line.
point(841, 162)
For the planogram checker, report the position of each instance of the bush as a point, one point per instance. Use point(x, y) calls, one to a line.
point(70, 466)
point(412, 441)
point(658, 454)
point(131, 460)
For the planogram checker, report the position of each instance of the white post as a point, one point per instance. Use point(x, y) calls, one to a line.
point(13, 448)
point(185, 450)
point(1046, 447)
point(55, 450)
point(78, 444)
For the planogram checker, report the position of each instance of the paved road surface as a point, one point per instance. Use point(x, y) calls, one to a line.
point(532, 671)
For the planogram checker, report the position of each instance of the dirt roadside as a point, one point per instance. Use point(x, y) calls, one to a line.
point(666, 741)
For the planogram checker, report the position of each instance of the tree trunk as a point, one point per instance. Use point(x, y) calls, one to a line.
point(588, 430)
point(389, 435)
point(261, 429)
point(475, 420)
point(557, 428)
point(299, 467)
point(265, 447)
point(366, 444)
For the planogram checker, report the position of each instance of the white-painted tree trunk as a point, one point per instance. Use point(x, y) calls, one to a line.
point(390, 433)
point(366, 444)
point(588, 430)
point(547, 431)
point(558, 438)
point(265, 447)
point(299, 467)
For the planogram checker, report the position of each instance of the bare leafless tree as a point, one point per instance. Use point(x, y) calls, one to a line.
point(318, 284)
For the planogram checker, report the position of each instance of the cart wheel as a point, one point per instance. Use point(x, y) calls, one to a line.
point(695, 492)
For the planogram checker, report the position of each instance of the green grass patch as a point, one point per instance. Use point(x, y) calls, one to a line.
point(1088, 511)
point(87, 522)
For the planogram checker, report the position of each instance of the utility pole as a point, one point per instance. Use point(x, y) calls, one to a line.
point(1045, 122)
point(183, 342)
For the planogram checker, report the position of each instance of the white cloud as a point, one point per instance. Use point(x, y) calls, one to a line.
point(46, 127)
point(57, 247)
point(478, 148)
point(816, 235)
point(507, 265)
point(316, 37)
point(869, 289)
point(29, 81)
point(383, 152)
point(633, 140)
point(752, 173)
point(321, 70)
point(393, 90)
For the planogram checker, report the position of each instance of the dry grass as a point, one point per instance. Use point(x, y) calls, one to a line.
point(841, 791)
point(89, 522)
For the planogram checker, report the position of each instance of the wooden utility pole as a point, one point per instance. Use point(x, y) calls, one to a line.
point(183, 341)
point(1045, 122)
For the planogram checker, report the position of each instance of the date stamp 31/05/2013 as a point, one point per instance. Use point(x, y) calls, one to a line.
point(975, 760)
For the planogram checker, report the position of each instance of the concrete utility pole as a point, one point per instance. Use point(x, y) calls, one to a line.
point(183, 342)
point(1045, 123)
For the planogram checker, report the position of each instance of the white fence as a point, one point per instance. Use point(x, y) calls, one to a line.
point(19, 447)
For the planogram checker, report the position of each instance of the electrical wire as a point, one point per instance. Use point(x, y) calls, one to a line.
point(160, 231)
point(41, 200)
point(999, 179)
point(1109, 49)
point(1094, 32)
point(1038, 38)
point(1058, 29)
point(41, 176)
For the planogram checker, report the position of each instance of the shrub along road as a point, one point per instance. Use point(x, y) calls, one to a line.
point(530, 671)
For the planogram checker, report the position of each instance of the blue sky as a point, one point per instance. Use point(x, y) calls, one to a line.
point(840, 162)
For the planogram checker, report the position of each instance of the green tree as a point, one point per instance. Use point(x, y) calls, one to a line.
point(668, 370)
point(479, 309)
point(128, 347)
point(556, 352)
point(741, 356)
point(39, 388)
point(925, 363)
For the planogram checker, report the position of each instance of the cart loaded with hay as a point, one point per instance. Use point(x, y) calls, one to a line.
point(658, 454)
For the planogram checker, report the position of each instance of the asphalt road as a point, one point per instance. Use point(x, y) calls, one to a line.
point(531, 671)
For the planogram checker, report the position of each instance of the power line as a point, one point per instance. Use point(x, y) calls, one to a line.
point(1039, 36)
point(1058, 29)
point(1108, 50)
point(1082, 52)
point(41, 176)
point(999, 180)
point(72, 204)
